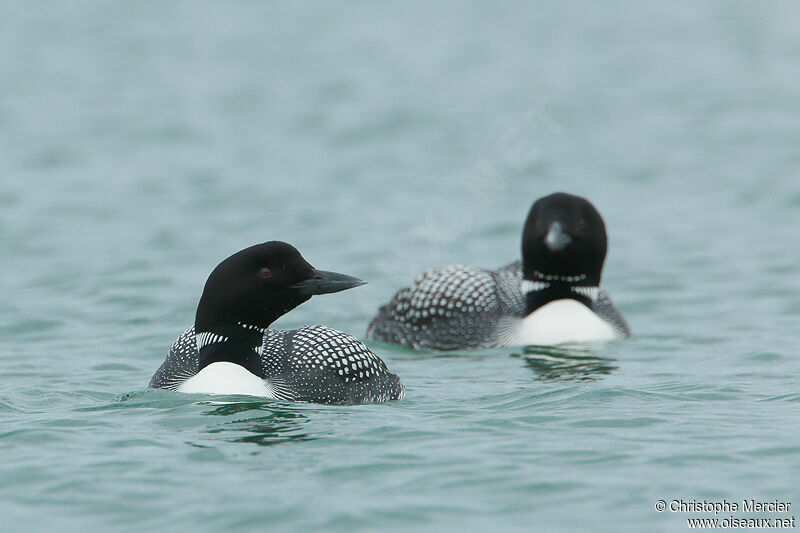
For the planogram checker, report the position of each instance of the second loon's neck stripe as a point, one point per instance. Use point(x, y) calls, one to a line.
point(592, 293)
point(554, 277)
point(531, 286)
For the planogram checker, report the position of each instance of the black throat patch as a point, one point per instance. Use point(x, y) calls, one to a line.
point(234, 351)
point(538, 294)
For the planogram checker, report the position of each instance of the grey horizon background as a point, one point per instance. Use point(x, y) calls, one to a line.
point(142, 143)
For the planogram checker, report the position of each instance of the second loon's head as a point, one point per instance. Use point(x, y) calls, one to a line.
point(564, 240)
point(249, 290)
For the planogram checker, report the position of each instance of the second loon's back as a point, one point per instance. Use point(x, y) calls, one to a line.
point(459, 307)
point(452, 307)
point(551, 296)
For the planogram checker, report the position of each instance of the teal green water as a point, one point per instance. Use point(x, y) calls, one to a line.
point(141, 143)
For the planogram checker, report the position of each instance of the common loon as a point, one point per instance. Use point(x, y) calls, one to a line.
point(552, 296)
point(231, 349)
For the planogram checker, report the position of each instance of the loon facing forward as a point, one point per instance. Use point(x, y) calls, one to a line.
point(231, 350)
point(552, 296)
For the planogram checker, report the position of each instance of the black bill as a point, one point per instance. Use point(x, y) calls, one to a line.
point(323, 282)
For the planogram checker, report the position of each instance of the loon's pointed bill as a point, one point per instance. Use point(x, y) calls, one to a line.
point(552, 296)
point(324, 282)
point(231, 350)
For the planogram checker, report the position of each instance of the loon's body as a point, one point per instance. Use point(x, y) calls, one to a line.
point(235, 352)
point(311, 364)
point(457, 307)
point(550, 297)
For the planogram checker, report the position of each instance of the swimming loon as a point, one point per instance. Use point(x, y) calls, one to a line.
point(231, 349)
point(552, 296)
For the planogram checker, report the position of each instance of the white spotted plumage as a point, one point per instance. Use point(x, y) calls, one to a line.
point(456, 307)
point(320, 365)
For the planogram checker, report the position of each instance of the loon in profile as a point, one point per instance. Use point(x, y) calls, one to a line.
point(232, 350)
point(552, 296)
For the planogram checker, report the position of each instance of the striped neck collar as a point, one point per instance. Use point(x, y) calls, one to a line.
point(554, 277)
point(528, 286)
point(207, 338)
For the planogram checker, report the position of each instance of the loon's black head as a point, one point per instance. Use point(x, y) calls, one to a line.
point(563, 241)
point(252, 288)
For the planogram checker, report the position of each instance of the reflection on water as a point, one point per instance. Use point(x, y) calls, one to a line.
point(230, 408)
point(566, 363)
point(278, 424)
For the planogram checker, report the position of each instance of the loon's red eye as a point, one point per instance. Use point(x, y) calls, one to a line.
point(265, 273)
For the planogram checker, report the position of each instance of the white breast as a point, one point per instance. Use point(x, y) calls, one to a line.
point(561, 322)
point(226, 378)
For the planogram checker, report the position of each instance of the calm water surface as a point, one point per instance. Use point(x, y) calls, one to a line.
point(141, 143)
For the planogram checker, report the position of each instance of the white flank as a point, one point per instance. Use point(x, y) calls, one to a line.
point(226, 378)
point(562, 322)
